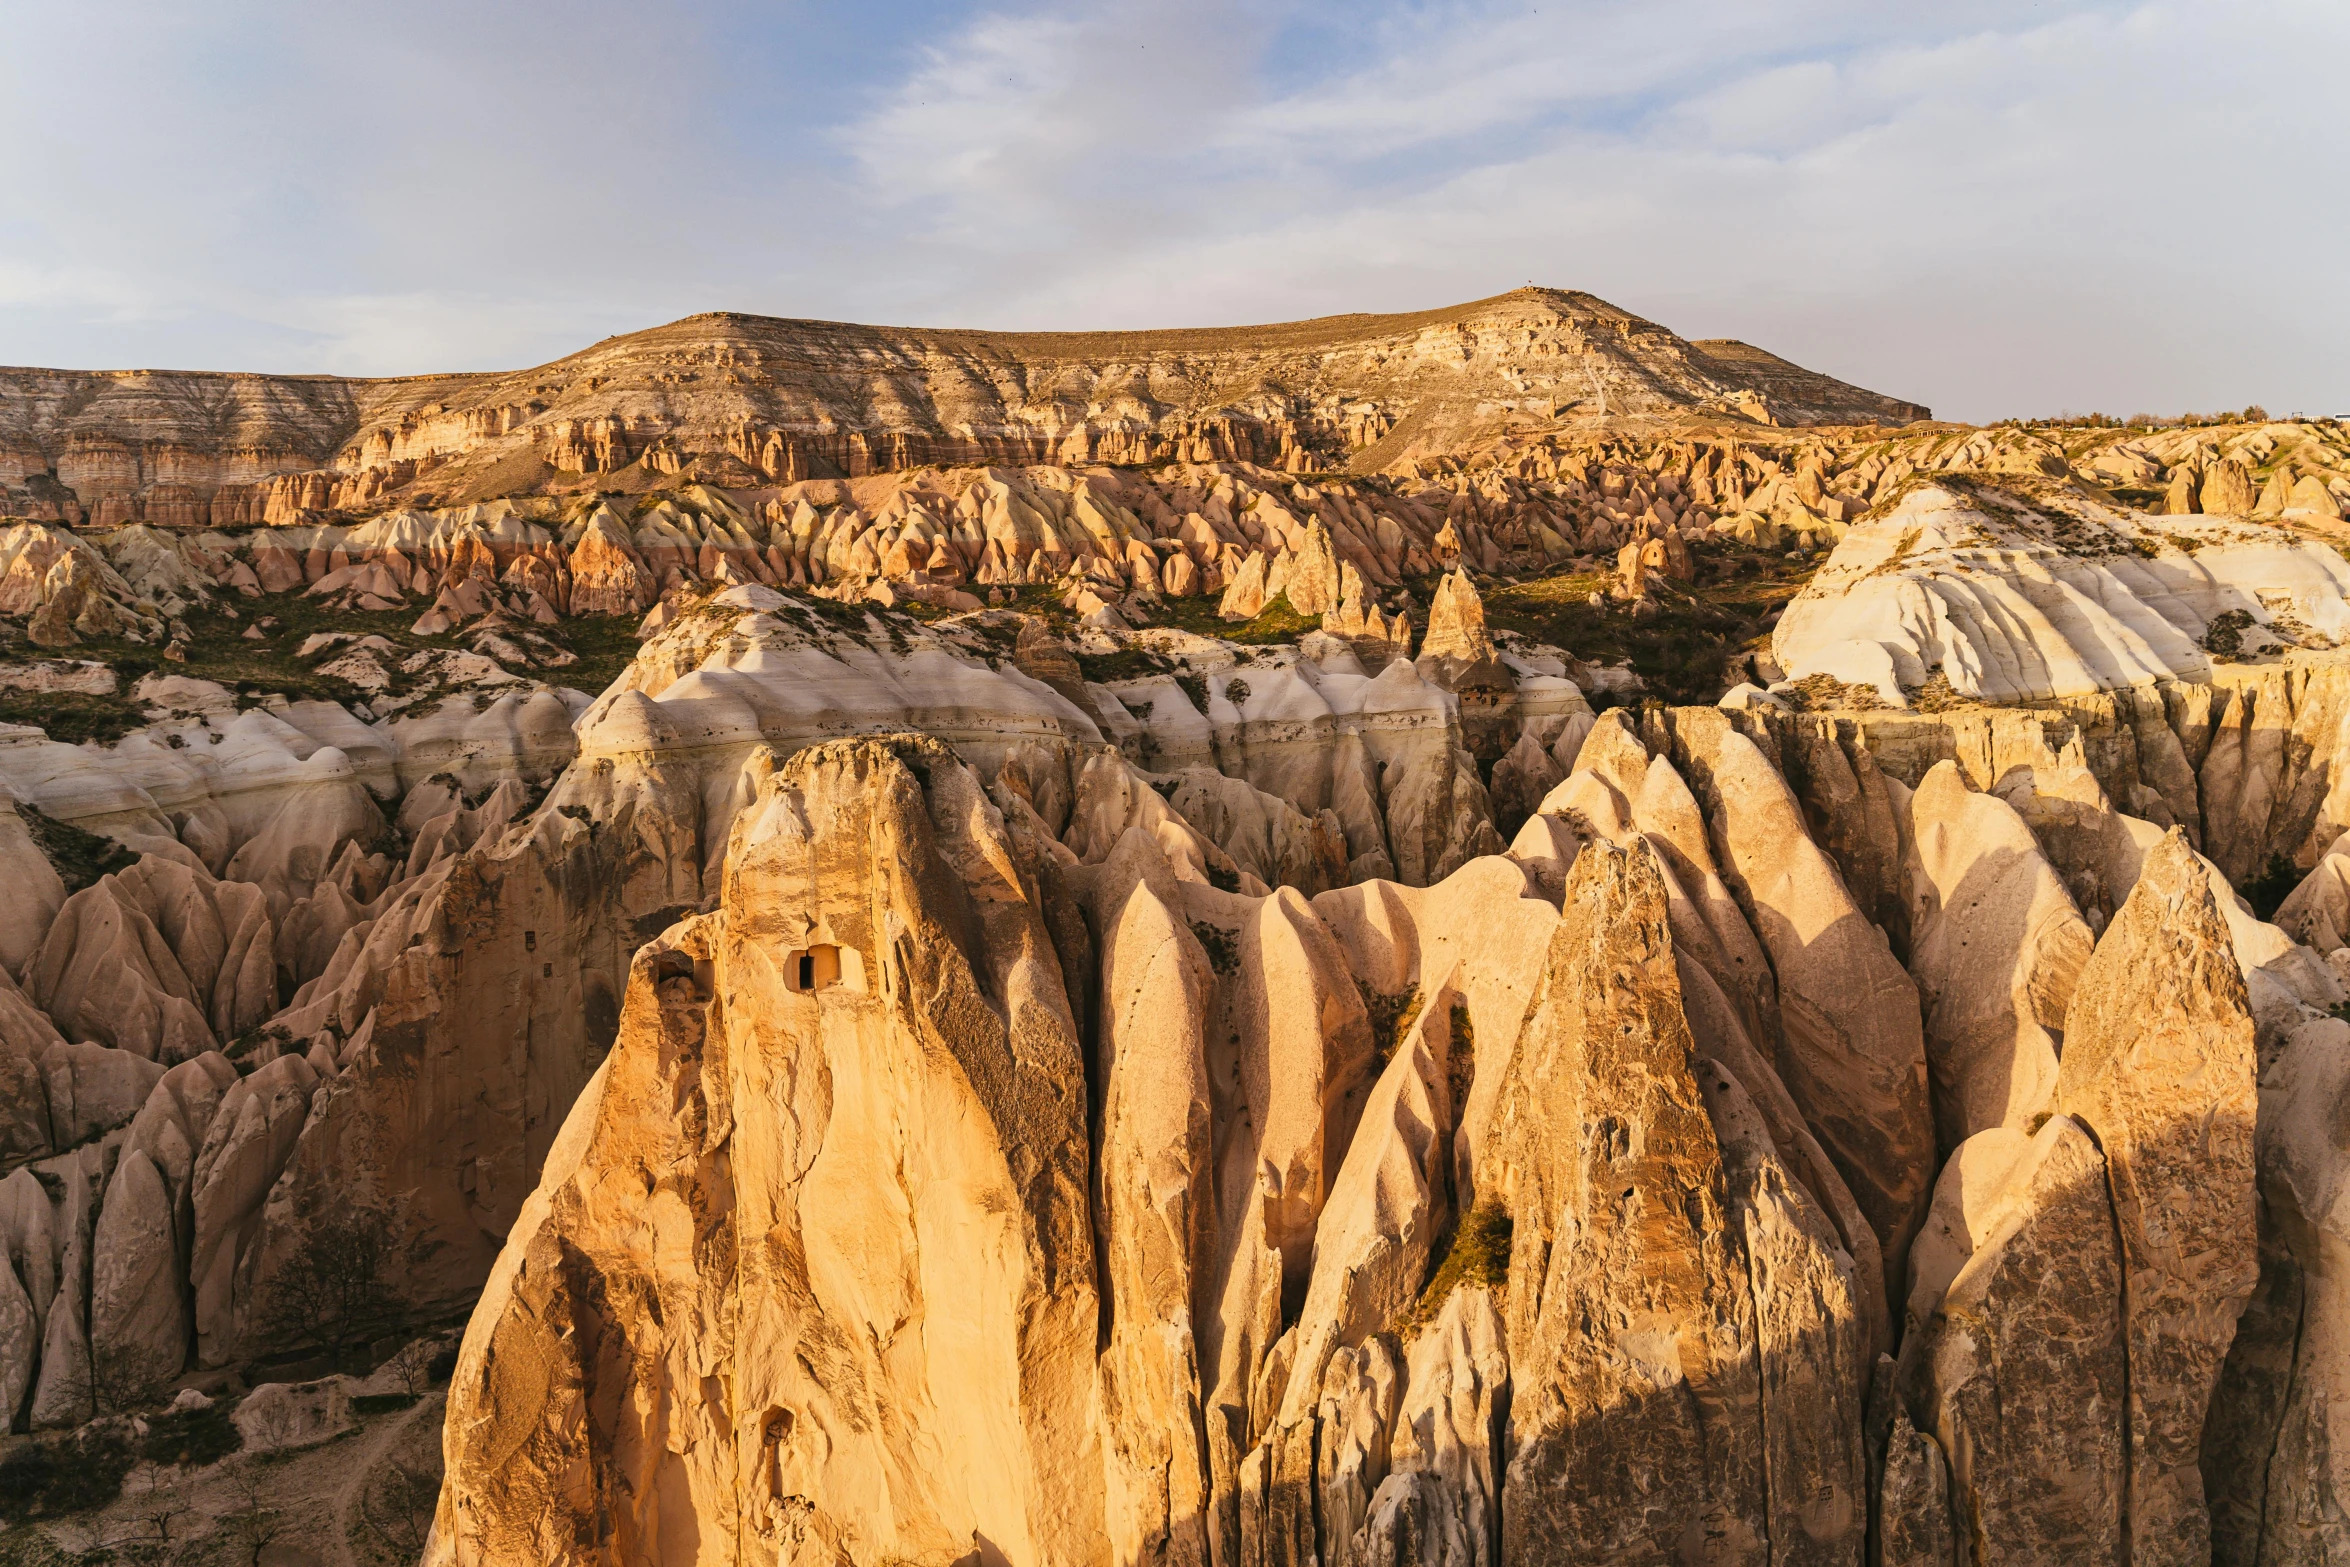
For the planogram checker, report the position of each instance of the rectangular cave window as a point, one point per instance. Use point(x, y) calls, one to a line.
point(813, 968)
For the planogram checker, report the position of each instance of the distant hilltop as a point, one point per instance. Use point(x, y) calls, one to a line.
point(734, 399)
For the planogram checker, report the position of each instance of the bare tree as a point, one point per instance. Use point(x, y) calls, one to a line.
point(335, 1290)
point(253, 1525)
point(111, 1381)
point(158, 1510)
point(412, 1367)
point(396, 1508)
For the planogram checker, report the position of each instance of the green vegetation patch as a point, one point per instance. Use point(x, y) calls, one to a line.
point(1128, 663)
point(1684, 648)
point(2224, 637)
point(80, 858)
point(1392, 1018)
point(1223, 952)
point(1277, 624)
point(72, 716)
point(51, 1476)
point(257, 668)
point(28, 1546)
point(605, 644)
point(191, 1436)
point(1479, 1257)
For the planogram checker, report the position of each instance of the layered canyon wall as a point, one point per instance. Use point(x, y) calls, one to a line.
point(749, 399)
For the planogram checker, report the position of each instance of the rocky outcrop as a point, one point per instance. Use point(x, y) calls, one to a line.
point(2269, 1464)
point(1997, 948)
point(855, 1326)
point(2017, 1354)
point(161, 960)
point(808, 399)
point(1851, 1047)
point(1604, 1152)
point(2050, 594)
point(2158, 1067)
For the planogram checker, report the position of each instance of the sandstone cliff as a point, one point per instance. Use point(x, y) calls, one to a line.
point(1025, 1082)
point(735, 397)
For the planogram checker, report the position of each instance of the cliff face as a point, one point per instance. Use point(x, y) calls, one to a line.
point(913, 1090)
point(748, 399)
point(947, 1191)
point(906, 1100)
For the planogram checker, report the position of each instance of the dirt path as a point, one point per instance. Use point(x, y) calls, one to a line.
point(379, 1442)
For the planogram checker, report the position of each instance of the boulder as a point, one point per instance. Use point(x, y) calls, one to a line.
point(279, 1417)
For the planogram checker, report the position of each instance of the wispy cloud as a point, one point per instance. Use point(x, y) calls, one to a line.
point(2014, 208)
point(2008, 206)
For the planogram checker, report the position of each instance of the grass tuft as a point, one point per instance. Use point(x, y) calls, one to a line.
point(1478, 1257)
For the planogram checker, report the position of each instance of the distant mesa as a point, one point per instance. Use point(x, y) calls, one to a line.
point(742, 400)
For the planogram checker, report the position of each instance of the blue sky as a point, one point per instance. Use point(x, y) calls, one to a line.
point(1995, 208)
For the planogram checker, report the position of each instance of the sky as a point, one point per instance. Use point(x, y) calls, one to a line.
point(1997, 208)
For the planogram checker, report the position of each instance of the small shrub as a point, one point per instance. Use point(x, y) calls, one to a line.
point(52, 1476)
point(338, 1284)
point(191, 1436)
point(242, 1051)
point(1223, 953)
point(1392, 1018)
point(381, 1403)
point(2272, 886)
point(79, 858)
point(396, 1507)
point(2224, 637)
point(1478, 1256)
point(1196, 688)
point(1236, 692)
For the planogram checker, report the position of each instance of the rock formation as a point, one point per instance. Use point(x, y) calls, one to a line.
point(940, 1057)
point(802, 399)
